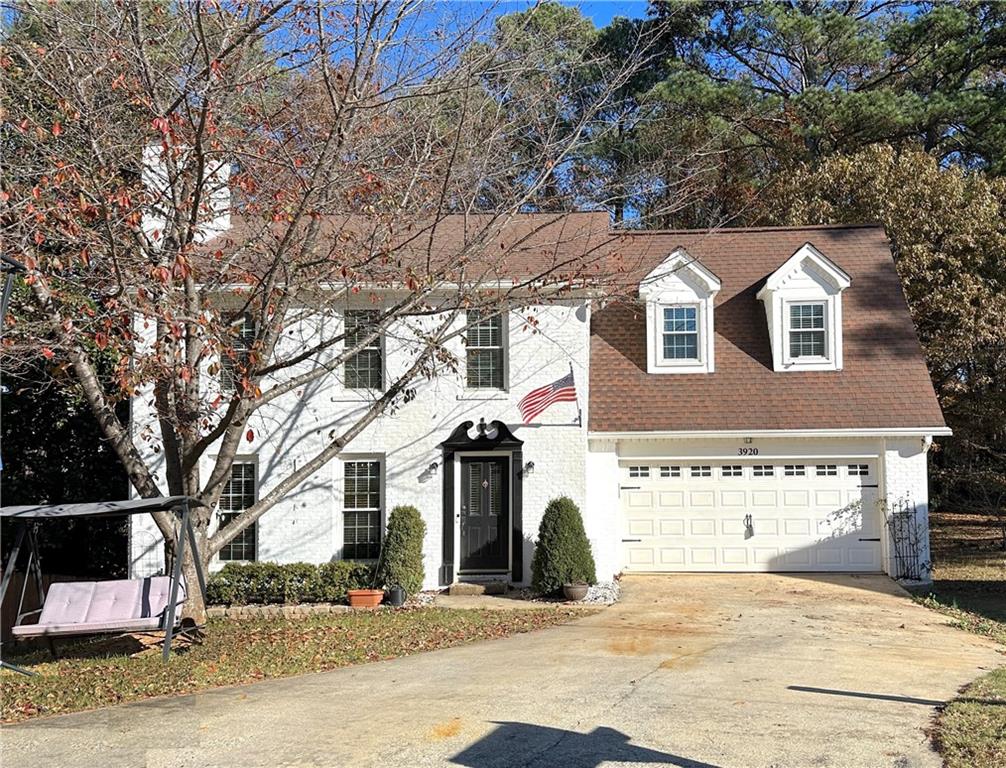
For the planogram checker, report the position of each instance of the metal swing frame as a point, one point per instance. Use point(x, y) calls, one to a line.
point(30, 517)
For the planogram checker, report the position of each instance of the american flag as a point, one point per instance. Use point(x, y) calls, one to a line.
point(537, 400)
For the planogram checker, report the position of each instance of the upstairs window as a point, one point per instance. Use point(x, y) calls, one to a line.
point(803, 309)
point(681, 333)
point(365, 369)
point(237, 496)
point(679, 293)
point(807, 333)
point(234, 361)
point(485, 354)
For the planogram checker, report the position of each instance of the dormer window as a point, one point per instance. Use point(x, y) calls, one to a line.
point(679, 297)
point(803, 306)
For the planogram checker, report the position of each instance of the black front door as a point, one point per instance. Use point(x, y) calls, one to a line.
point(485, 514)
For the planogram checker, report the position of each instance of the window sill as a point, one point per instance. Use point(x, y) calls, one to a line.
point(487, 395)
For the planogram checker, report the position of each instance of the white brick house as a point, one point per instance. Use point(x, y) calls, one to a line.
point(755, 400)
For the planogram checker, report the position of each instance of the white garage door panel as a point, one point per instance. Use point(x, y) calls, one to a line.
point(800, 521)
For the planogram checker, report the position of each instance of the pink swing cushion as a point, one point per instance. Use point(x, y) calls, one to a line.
point(90, 607)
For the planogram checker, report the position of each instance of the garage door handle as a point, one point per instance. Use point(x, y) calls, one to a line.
point(631, 487)
point(876, 539)
point(631, 540)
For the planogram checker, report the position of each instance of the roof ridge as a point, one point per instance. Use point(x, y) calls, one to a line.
point(729, 230)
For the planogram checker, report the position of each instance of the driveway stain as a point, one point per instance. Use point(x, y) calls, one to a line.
point(446, 730)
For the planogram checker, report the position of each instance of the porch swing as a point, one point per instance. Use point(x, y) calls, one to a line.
point(119, 606)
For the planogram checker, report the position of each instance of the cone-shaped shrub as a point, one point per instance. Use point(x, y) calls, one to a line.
point(562, 554)
point(402, 555)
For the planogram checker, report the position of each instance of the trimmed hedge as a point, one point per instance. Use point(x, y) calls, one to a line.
point(562, 554)
point(402, 553)
point(252, 583)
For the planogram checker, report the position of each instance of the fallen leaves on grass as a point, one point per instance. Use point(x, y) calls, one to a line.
point(971, 730)
point(242, 651)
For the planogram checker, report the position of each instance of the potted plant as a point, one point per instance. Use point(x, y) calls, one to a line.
point(401, 566)
point(562, 557)
point(365, 598)
point(575, 591)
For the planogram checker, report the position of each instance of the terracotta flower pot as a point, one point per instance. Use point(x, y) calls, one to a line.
point(575, 592)
point(365, 598)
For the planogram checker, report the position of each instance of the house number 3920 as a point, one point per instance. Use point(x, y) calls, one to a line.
point(747, 451)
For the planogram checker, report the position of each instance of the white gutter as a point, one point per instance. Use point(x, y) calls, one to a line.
point(737, 433)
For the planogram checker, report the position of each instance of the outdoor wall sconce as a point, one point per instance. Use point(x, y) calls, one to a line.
point(528, 469)
point(432, 469)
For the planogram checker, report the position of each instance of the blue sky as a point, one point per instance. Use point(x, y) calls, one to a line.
point(599, 11)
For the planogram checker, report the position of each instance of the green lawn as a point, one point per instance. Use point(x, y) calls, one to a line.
point(102, 673)
point(969, 586)
point(972, 728)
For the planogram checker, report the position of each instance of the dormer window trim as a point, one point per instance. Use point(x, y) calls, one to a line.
point(679, 282)
point(807, 278)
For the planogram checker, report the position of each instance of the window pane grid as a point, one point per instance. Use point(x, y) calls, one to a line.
point(680, 338)
point(237, 357)
point(361, 516)
point(484, 341)
point(807, 332)
point(365, 369)
point(238, 495)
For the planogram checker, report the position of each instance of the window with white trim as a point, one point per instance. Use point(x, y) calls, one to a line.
point(702, 471)
point(859, 470)
point(361, 510)
point(794, 470)
point(365, 369)
point(670, 471)
point(763, 470)
point(234, 360)
point(239, 493)
point(484, 342)
point(731, 470)
point(639, 471)
point(808, 336)
point(680, 333)
point(827, 470)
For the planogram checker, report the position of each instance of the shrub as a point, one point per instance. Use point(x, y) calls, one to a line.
point(562, 554)
point(250, 583)
point(401, 561)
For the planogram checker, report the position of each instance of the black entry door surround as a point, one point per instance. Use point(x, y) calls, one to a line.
point(484, 509)
point(492, 441)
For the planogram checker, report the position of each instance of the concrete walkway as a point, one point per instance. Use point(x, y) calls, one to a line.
point(692, 671)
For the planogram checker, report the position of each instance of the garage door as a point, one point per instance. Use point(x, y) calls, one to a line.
point(750, 516)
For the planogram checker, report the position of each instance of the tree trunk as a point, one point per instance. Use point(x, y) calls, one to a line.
point(195, 606)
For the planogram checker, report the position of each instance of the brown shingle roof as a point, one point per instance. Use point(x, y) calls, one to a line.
point(488, 247)
point(884, 382)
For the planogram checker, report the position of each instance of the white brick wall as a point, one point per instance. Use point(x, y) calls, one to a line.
point(906, 480)
point(307, 525)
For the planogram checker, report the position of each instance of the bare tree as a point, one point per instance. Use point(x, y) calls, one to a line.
point(189, 183)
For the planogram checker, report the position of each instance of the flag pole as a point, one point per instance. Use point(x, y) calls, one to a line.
point(579, 411)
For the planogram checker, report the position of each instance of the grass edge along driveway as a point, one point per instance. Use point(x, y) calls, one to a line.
point(242, 651)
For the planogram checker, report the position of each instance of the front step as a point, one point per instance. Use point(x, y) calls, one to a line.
point(487, 587)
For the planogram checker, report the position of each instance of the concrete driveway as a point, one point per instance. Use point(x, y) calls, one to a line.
point(688, 670)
